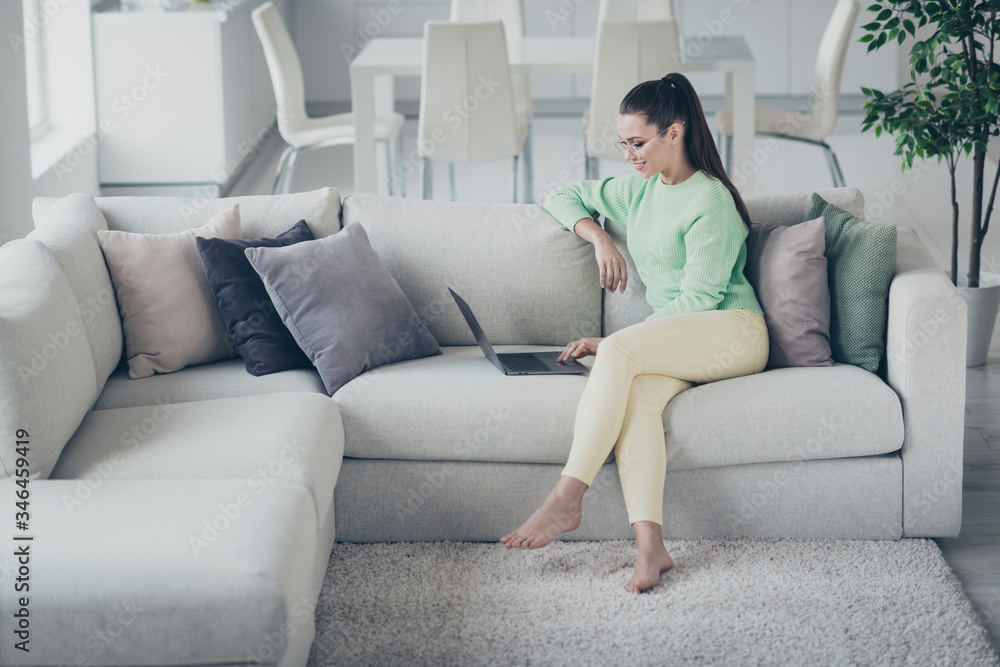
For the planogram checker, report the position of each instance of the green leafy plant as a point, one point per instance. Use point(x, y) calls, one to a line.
point(956, 107)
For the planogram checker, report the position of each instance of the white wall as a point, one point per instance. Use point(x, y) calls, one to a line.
point(75, 173)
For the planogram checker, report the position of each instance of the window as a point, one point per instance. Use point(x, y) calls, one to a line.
point(34, 59)
point(59, 79)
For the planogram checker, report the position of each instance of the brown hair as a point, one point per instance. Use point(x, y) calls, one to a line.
point(673, 99)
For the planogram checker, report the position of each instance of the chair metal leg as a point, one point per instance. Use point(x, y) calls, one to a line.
point(400, 164)
point(427, 178)
point(283, 167)
point(831, 159)
point(513, 189)
point(390, 165)
point(286, 185)
point(529, 176)
point(451, 179)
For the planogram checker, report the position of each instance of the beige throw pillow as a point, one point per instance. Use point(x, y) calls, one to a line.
point(169, 314)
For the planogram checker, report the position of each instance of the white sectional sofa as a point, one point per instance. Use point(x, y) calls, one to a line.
point(189, 517)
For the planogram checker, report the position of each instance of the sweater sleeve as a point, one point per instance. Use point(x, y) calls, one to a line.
point(611, 197)
point(712, 247)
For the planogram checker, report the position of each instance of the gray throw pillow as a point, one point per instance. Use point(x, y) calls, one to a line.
point(342, 306)
point(787, 267)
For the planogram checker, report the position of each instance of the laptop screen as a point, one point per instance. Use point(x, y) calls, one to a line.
point(477, 330)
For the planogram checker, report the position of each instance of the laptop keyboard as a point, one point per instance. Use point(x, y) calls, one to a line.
point(522, 363)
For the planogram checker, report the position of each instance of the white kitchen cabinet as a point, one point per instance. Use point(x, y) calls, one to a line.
point(183, 97)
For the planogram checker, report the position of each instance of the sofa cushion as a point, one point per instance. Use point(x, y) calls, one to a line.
point(264, 343)
point(861, 260)
point(786, 265)
point(262, 440)
point(260, 215)
point(785, 414)
point(622, 310)
point(458, 407)
point(169, 314)
point(70, 232)
point(47, 376)
point(223, 379)
point(539, 279)
point(166, 573)
point(342, 306)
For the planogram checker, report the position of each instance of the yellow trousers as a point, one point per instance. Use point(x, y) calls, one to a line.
point(637, 371)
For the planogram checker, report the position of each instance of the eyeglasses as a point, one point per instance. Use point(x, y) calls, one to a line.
point(626, 148)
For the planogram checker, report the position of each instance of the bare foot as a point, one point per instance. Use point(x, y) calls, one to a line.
point(649, 565)
point(560, 513)
point(653, 559)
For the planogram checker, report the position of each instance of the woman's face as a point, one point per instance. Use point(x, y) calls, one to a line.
point(648, 149)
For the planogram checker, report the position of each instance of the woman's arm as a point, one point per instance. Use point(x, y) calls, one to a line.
point(610, 263)
point(574, 205)
point(611, 197)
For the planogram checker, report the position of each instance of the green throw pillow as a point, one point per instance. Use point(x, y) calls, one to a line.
point(861, 261)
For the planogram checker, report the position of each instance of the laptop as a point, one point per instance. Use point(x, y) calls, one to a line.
point(518, 363)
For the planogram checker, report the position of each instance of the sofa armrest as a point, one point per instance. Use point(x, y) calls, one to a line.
point(925, 366)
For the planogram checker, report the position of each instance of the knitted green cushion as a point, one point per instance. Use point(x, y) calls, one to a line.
point(861, 261)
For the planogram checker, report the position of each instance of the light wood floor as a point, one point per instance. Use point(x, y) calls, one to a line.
point(975, 554)
point(919, 199)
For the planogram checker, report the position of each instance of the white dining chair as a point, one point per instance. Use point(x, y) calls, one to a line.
point(816, 125)
point(466, 101)
point(636, 10)
point(628, 53)
point(511, 13)
point(301, 132)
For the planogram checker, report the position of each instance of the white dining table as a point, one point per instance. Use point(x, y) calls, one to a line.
point(384, 58)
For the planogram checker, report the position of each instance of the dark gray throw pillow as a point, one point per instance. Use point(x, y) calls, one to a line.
point(253, 324)
point(342, 306)
point(787, 267)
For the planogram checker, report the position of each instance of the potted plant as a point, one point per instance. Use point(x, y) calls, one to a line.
point(954, 108)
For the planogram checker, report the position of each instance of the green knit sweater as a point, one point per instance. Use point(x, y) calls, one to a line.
point(688, 241)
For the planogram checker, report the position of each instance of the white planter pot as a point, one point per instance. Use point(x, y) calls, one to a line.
point(983, 302)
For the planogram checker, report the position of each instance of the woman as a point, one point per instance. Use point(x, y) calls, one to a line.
point(687, 227)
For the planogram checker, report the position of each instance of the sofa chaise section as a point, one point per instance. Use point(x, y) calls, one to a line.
point(261, 440)
point(131, 483)
point(151, 572)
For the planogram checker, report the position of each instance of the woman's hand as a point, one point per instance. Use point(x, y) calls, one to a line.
point(580, 348)
point(614, 274)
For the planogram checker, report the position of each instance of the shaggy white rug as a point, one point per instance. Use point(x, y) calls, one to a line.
point(747, 601)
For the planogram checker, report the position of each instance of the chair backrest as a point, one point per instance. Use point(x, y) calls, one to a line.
point(466, 97)
point(284, 66)
point(636, 10)
point(511, 12)
point(628, 53)
point(830, 64)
